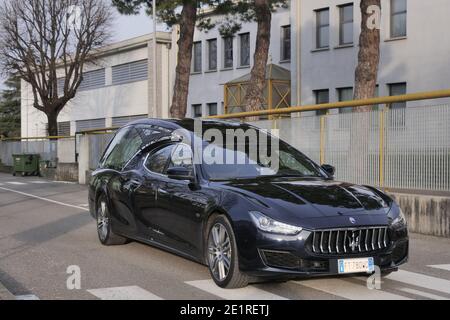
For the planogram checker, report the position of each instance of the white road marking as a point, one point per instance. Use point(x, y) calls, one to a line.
point(16, 183)
point(27, 297)
point(39, 182)
point(445, 267)
point(423, 294)
point(421, 280)
point(44, 199)
point(248, 293)
point(348, 290)
point(124, 293)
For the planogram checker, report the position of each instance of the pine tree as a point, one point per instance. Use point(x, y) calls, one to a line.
point(10, 108)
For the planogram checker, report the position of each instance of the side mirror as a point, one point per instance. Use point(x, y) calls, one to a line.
point(329, 169)
point(180, 173)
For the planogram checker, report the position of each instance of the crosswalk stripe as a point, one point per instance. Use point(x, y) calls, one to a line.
point(30, 297)
point(348, 290)
point(16, 183)
point(124, 293)
point(248, 293)
point(445, 267)
point(423, 294)
point(421, 280)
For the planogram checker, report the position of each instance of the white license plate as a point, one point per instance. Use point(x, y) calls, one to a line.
point(363, 265)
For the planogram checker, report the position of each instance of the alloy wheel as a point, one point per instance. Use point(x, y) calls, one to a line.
point(102, 221)
point(219, 252)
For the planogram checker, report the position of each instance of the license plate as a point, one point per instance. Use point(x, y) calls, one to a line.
point(364, 265)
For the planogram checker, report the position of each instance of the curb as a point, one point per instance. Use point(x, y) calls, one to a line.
point(5, 294)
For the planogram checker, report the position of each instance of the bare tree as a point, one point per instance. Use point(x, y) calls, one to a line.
point(48, 44)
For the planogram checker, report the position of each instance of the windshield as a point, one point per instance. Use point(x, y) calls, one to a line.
point(232, 162)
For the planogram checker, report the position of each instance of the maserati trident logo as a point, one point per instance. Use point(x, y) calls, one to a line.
point(352, 220)
point(354, 241)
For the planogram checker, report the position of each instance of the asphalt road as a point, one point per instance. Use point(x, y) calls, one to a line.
point(45, 228)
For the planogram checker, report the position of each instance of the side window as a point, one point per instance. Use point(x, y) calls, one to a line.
point(113, 145)
point(182, 157)
point(157, 162)
point(123, 148)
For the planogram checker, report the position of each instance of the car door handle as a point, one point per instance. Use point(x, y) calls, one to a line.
point(162, 191)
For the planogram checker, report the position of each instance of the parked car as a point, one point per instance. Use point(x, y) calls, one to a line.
point(247, 223)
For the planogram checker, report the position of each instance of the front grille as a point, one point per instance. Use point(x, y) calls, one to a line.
point(348, 241)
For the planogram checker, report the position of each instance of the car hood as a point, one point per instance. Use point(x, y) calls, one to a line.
point(315, 203)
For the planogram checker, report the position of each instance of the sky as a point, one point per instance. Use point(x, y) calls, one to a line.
point(126, 27)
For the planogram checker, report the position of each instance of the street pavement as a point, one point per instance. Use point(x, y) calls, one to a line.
point(46, 231)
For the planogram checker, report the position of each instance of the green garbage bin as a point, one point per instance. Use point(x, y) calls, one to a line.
point(26, 164)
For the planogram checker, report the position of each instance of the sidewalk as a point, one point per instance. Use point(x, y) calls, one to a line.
point(5, 294)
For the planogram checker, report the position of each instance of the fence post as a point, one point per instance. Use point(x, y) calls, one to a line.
point(322, 138)
point(382, 144)
point(83, 158)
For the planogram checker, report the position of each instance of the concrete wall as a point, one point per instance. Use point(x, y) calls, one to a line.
point(425, 214)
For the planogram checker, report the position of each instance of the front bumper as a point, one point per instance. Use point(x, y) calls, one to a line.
point(292, 257)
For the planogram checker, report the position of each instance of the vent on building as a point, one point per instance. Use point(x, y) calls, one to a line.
point(122, 121)
point(85, 125)
point(130, 72)
point(91, 80)
point(64, 129)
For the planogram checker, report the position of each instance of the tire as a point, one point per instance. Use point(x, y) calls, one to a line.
point(221, 253)
point(105, 233)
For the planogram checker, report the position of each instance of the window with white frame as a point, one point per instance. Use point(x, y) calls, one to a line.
point(212, 109)
point(322, 28)
point(228, 52)
point(197, 111)
point(399, 18)
point(285, 43)
point(212, 54)
point(197, 59)
point(244, 49)
point(346, 24)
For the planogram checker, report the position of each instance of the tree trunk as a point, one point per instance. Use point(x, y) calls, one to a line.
point(183, 72)
point(52, 117)
point(366, 77)
point(255, 90)
point(366, 74)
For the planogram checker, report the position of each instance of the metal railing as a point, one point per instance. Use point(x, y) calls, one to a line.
point(51, 149)
point(389, 148)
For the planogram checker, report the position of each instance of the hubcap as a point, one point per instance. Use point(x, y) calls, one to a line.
point(102, 221)
point(219, 252)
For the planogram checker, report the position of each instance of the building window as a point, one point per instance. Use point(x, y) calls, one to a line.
point(322, 96)
point(398, 18)
point(345, 94)
point(130, 72)
point(398, 116)
point(286, 43)
point(197, 111)
point(323, 28)
point(197, 61)
point(346, 24)
point(91, 80)
point(84, 125)
point(64, 129)
point(212, 54)
point(397, 89)
point(212, 109)
point(118, 122)
point(245, 49)
point(228, 52)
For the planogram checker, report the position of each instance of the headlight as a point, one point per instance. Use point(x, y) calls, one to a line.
point(400, 220)
point(267, 224)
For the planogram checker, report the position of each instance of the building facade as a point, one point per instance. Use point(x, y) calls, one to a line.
point(414, 54)
point(218, 60)
point(116, 90)
point(316, 40)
